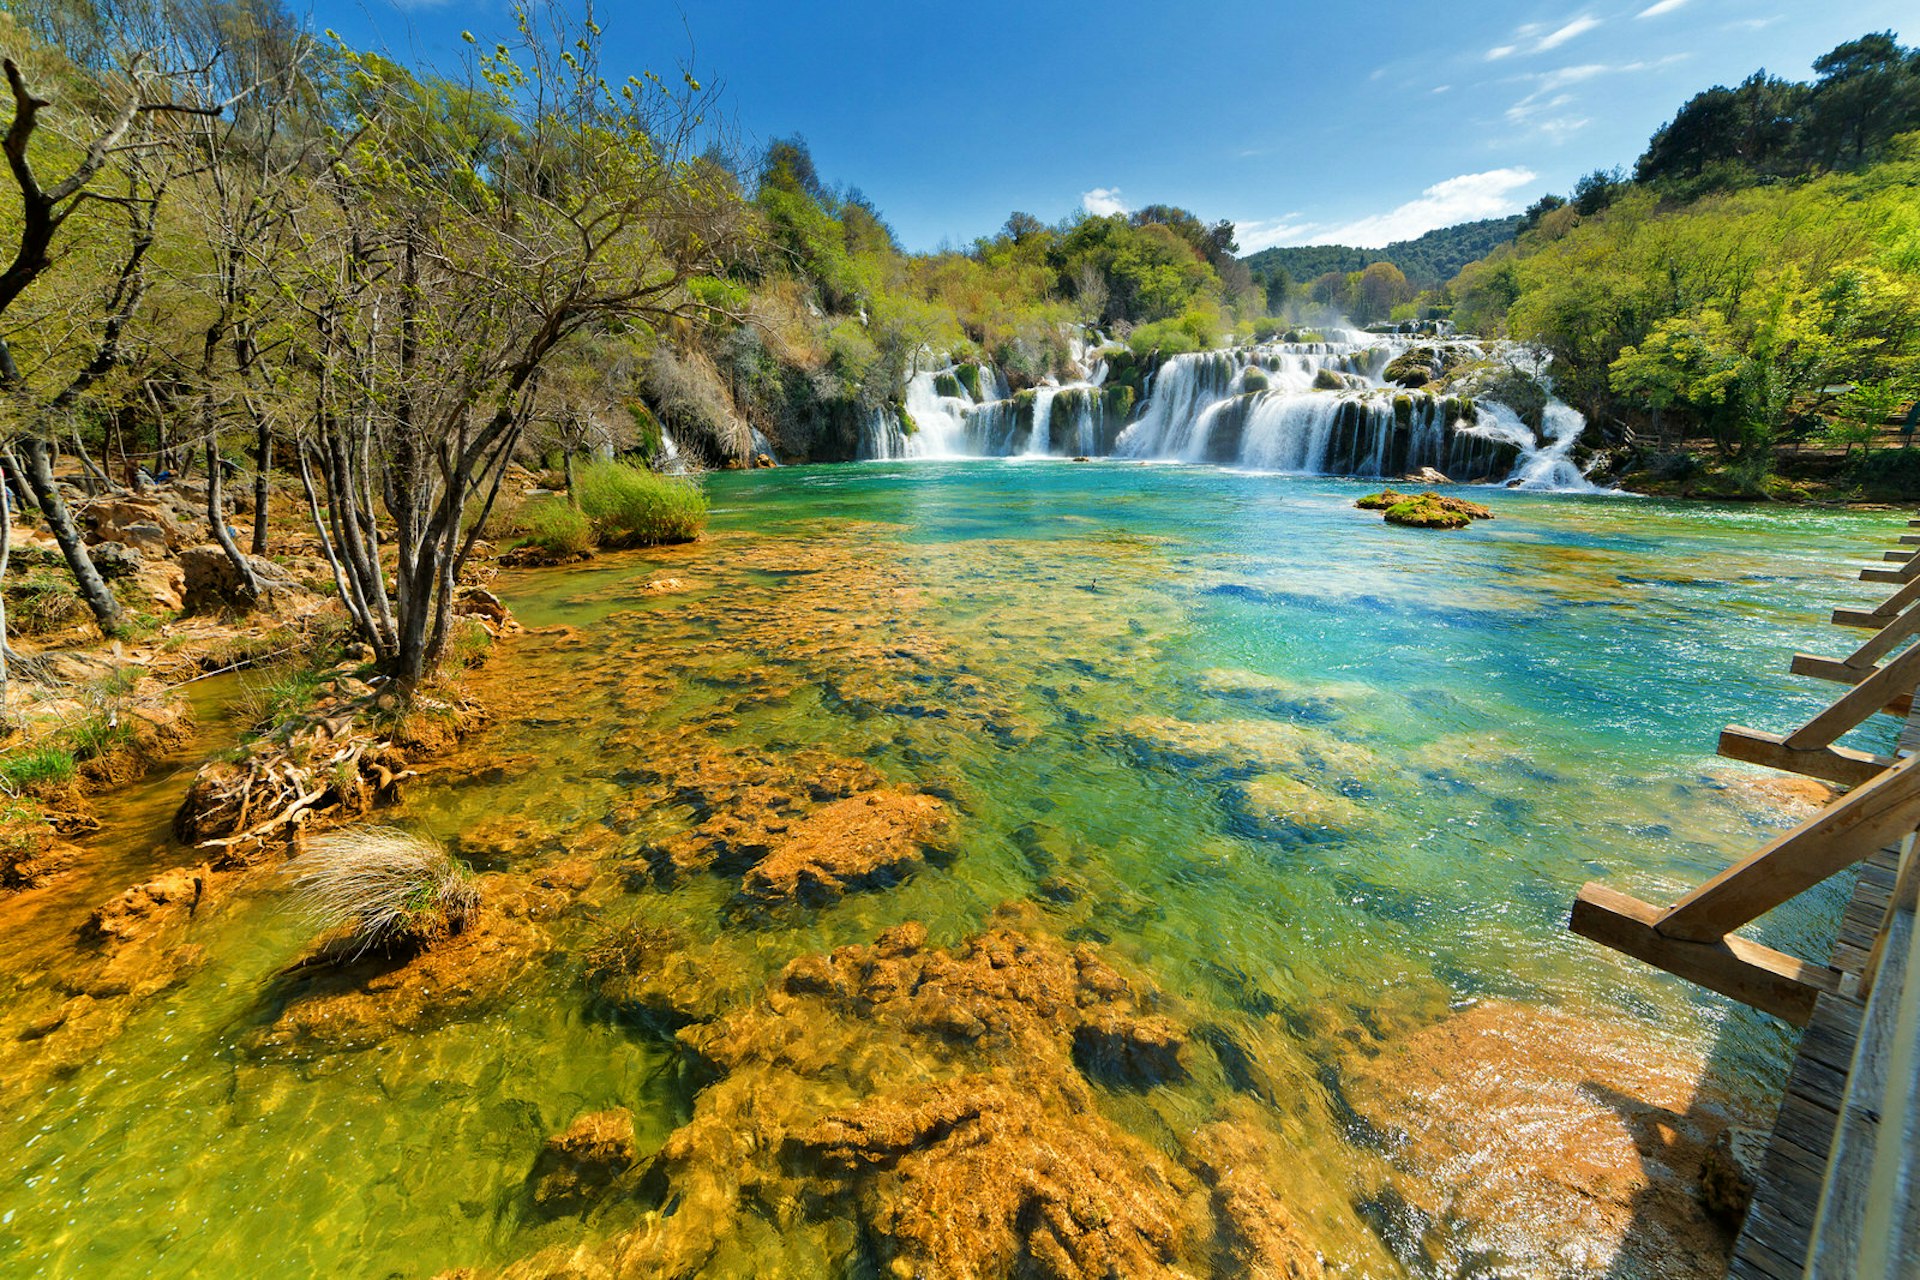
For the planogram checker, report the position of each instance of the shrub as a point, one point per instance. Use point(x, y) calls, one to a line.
point(27, 768)
point(387, 887)
point(634, 507)
point(556, 527)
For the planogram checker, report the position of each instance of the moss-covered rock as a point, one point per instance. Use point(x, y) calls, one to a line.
point(969, 377)
point(946, 384)
point(1329, 380)
point(1254, 380)
point(1422, 513)
point(1403, 411)
point(1380, 501)
point(1119, 403)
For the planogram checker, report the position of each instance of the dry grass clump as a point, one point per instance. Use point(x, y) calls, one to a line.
point(388, 888)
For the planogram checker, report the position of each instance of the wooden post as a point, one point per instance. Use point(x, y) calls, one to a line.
point(1881, 812)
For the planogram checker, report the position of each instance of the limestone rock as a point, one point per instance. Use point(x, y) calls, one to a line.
point(213, 583)
point(577, 1166)
point(863, 841)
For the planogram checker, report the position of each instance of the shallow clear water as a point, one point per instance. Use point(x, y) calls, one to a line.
point(1100, 666)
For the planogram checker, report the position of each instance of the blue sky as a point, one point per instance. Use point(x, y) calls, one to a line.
point(1304, 123)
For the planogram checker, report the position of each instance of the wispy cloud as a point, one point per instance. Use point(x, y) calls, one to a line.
point(1543, 109)
point(1102, 201)
point(1534, 37)
point(1655, 10)
point(1578, 27)
point(1462, 199)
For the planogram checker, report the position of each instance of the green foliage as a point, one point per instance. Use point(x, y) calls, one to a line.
point(1867, 93)
point(1428, 260)
point(270, 696)
point(1423, 512)
point(557, 528)
point(968, 376)
point(1194, 331)
point(30, 768)
point(1119, 402)
point(634, 507)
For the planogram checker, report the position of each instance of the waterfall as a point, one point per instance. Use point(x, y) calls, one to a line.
point(1040, 439)
point(1544, 463)
point(1319, 406)
point(882, 437)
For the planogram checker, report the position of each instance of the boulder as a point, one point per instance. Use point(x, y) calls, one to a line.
point(115, 560)
point(145, 522)
point(1426, 475)
point(213, 584)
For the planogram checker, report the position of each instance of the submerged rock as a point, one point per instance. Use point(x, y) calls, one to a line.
point(1245, 748)
point(939, 1110)
point(356, 1005)
point(577, 1167)
point(864, 841)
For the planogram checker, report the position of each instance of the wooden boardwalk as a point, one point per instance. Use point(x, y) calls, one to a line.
point(1778, 1232)
point(1837, 1194)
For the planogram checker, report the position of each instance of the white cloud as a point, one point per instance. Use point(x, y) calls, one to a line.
point(1463, 199)
point(1257, 234)
point(1536, 110)
point(1539, 40)
point(1102, 201)
point(1578, 27)
point(1655, 10)
point(1441, 88)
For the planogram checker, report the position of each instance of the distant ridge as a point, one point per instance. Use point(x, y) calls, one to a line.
point(1427, 261)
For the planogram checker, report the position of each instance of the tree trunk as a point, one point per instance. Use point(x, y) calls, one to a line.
point(6, 554)
point(217, 517)
point(262, 488)
point(573, 499)
point(93, 589)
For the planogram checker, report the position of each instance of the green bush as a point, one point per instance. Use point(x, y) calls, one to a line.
point(29, 767)
point(634, 507)
point(1194, 331)
point(556, 528)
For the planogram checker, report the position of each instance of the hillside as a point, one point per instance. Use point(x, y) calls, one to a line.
point(1432, 258)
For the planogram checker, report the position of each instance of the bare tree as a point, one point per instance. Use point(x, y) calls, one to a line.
point(121, 139)
point(471, 232)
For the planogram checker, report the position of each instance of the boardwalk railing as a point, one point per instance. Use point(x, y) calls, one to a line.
point(1695, 937)
point(1839, 1193)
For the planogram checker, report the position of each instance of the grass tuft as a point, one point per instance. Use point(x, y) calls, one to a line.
point(634, 507)
point(386, 886)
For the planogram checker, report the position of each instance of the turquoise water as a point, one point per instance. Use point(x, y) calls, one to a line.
point(1302, 770)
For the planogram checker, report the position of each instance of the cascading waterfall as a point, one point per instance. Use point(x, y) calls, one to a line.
point(1318, 407)
point(1545, 462)
point(1040, 439)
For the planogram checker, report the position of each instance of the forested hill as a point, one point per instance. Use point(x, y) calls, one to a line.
point(1432, 258)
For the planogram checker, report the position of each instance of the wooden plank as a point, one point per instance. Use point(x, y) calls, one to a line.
point(1769, 980)
point(1896, 557)
point(1842, 765)
point(1839, 672)
point(1887, 639)
point(1879, 812)
point(1890, 575)
point(1910, 539)
point(1896, 679)
point(1887, 609)
point(1870, 1191)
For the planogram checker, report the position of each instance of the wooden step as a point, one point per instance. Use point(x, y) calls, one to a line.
point(1841, 765)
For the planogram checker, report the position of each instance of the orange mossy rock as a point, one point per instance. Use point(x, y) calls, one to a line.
point(577, 1166)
